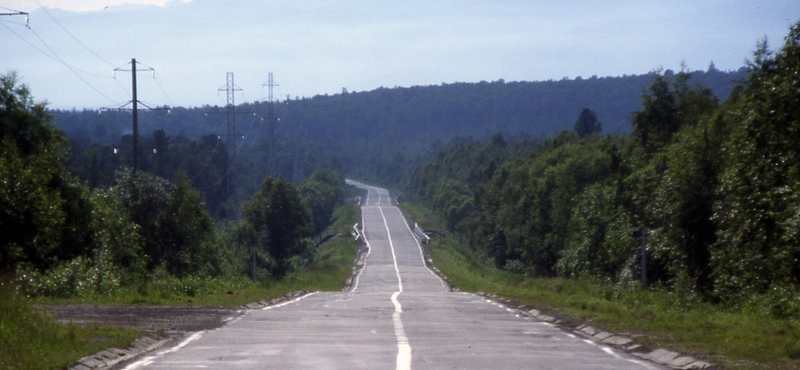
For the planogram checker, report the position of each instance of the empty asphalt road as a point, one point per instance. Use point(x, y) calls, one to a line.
point(398, 315)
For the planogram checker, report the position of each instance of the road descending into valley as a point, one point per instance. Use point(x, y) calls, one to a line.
point(397, 315)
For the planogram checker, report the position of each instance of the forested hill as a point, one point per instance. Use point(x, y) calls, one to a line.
point(715, 185)
point(386, 121)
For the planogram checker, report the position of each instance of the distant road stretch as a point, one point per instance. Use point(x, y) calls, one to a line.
point(397, 315)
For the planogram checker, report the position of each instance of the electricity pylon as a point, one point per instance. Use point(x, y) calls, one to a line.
point(271, 121)
point(230, 110)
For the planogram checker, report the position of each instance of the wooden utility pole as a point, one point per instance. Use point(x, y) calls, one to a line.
point(135, 118)
point(135, 106)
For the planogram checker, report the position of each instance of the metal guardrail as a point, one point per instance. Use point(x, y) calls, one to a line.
point(418, 230)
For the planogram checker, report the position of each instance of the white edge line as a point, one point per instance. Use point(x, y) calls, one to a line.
point(369, 250)
point(421, 253)
point(289, 302)
point(150, 359)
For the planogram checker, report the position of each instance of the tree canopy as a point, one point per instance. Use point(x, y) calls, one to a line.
point(715, 184)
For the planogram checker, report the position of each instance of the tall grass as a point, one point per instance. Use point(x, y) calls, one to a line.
point(32, 339)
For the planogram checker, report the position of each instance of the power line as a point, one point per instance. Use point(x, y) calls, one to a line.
point(26, 41)
point(162, 90)
point(71, 68)
point(71, 35)
point(208, 162)
point(54, 56)
point(11, 10)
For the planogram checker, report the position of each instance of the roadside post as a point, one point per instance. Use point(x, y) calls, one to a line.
point(643, 235)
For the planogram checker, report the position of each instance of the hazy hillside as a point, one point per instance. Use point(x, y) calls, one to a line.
point(376, 134)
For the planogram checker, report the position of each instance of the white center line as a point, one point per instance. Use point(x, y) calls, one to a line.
point(403, 347)
point(391, 245)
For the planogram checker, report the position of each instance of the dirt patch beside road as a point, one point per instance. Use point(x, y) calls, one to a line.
point(156, 319)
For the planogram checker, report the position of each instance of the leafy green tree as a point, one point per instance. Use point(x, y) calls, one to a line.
point(186, 232)
point(587, 124)
point(456, 203)
point(276, 226)
point(681, 207)
point(116, 234)
point(145, 197)
point(599, 243)
point(44, 211)
point(25, 123)
point(31, 217)
point(758, 245)
point(176, 229)
point(534, 201)
point(668, 105)
point(321, 193)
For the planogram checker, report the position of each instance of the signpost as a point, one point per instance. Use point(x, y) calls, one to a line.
point(643, 234)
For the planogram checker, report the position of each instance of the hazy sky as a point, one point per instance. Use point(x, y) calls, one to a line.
point(68, 54)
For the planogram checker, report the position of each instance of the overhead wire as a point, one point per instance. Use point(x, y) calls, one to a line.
point(71, 68)
point(208, 162)
point(25, 40)
point(56, 57)
point(236, 153)
point(9, 9)
point(12, 22)
point(71, 35)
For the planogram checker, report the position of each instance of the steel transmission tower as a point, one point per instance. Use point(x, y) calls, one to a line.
point(230, 110)
point(271, 121)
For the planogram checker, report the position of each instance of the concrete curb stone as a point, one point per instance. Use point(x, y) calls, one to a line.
point(112, 356)
point(617, 341)
point(601, 336)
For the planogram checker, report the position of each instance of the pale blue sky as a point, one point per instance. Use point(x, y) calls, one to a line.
point(320, 46)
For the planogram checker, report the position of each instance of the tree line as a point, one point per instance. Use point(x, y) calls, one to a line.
point(716, 185)
point(61, 237)
point(373, 135)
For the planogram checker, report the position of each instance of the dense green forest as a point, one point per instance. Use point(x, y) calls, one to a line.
point(377, 135)
point(714, 183)
point(61, 238)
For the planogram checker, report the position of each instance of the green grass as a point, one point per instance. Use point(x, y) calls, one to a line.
point(426, 220)
point(733, 338)
point(32, 339)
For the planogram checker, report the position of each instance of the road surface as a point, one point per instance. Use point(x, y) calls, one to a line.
point(397, 315)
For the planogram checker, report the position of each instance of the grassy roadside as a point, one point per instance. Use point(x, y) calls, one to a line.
point(329, 270)
point(735, 339)
point(32, 339)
